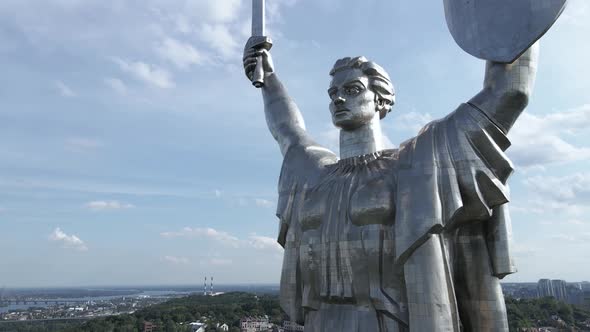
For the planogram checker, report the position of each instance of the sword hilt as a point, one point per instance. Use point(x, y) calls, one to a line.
point(258, 42)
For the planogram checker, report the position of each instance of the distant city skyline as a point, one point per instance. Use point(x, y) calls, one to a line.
point(199, 287)
point(133, 150)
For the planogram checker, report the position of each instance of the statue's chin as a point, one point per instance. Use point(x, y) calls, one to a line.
point(348, 124)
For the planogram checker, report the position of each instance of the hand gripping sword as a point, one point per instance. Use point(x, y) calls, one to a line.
point(258, 41)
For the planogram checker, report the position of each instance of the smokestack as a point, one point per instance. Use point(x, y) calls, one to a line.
point(205, 287)
point(211, 288)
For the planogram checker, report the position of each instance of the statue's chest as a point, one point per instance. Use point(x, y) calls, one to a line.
point(347, 237)
point(344, 199)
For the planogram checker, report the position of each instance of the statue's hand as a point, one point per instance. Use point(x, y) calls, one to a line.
point(251, 58)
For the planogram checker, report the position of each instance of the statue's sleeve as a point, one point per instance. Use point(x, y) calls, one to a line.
point(453, 172)
point(301, 168)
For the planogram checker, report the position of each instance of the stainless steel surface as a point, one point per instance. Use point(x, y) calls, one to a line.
point(258, 31)
point(258, 18)
point(353, 104)
point(410, 239)
point(500, 30)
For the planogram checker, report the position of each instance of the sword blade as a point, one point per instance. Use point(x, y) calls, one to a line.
point(257, 17)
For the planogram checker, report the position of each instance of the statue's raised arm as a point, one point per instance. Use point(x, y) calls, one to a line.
point(477, 233)
point(507, 88)
point(283, 117)
point(502, 32)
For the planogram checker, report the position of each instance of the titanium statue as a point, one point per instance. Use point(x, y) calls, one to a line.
point(409, 239)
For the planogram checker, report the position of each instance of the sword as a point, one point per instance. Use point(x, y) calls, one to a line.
point(258, 41)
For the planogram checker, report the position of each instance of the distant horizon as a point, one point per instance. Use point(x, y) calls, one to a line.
point(215, 285)
point(141, 286)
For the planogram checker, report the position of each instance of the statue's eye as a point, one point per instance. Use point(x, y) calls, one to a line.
point(352, 90)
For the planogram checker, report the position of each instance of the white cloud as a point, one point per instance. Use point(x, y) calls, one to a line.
point(264, 242)
point(180, 54)
point(577, 222)
point(576, 13)
point(182, 25)
point(147, 73)
point(253, 241)
point(543, 205)
point(176, 260)
point(98, 187)
point(412, 121)
point(107, 205)
point(64, 90)
point(568, 189)
point(117, 85)
point(220, 261)
point(580, 237)
point(387, 143)
point(562, 198)
point(522, 249)
point(214, 11)
point(219, 38)
point(539, 140)
point(68, 241)
point(244, 201)
point(544, 150)
point(208, 232)
point(564, 237)
point(330, 138)
point(274, 15)
point(217, 261)
point(128, 25)
point(527, 209)
point(263, 202)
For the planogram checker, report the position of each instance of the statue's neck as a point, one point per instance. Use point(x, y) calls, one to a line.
point(363, 140)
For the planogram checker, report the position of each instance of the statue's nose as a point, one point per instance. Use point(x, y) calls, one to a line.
point(339, 101)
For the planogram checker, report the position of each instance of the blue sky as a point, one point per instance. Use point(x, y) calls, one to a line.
point(134, 151)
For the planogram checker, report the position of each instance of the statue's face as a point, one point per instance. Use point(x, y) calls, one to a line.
point(352, 102)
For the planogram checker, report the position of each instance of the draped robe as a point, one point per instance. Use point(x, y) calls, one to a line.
point(349, 226)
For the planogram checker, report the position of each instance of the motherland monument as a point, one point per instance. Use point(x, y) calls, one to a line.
point(409, 239)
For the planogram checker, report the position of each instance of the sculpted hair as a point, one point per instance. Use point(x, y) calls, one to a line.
point(379, 80)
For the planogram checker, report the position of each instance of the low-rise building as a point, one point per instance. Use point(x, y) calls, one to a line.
point(289, 326)
point(149, 327)
point(198, 326)
point(255, 324)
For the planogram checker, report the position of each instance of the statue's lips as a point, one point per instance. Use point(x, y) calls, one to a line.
point(341, 112)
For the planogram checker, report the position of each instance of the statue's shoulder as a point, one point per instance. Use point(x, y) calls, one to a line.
point(302, 167)
point(462, 130)
point(303, 164)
